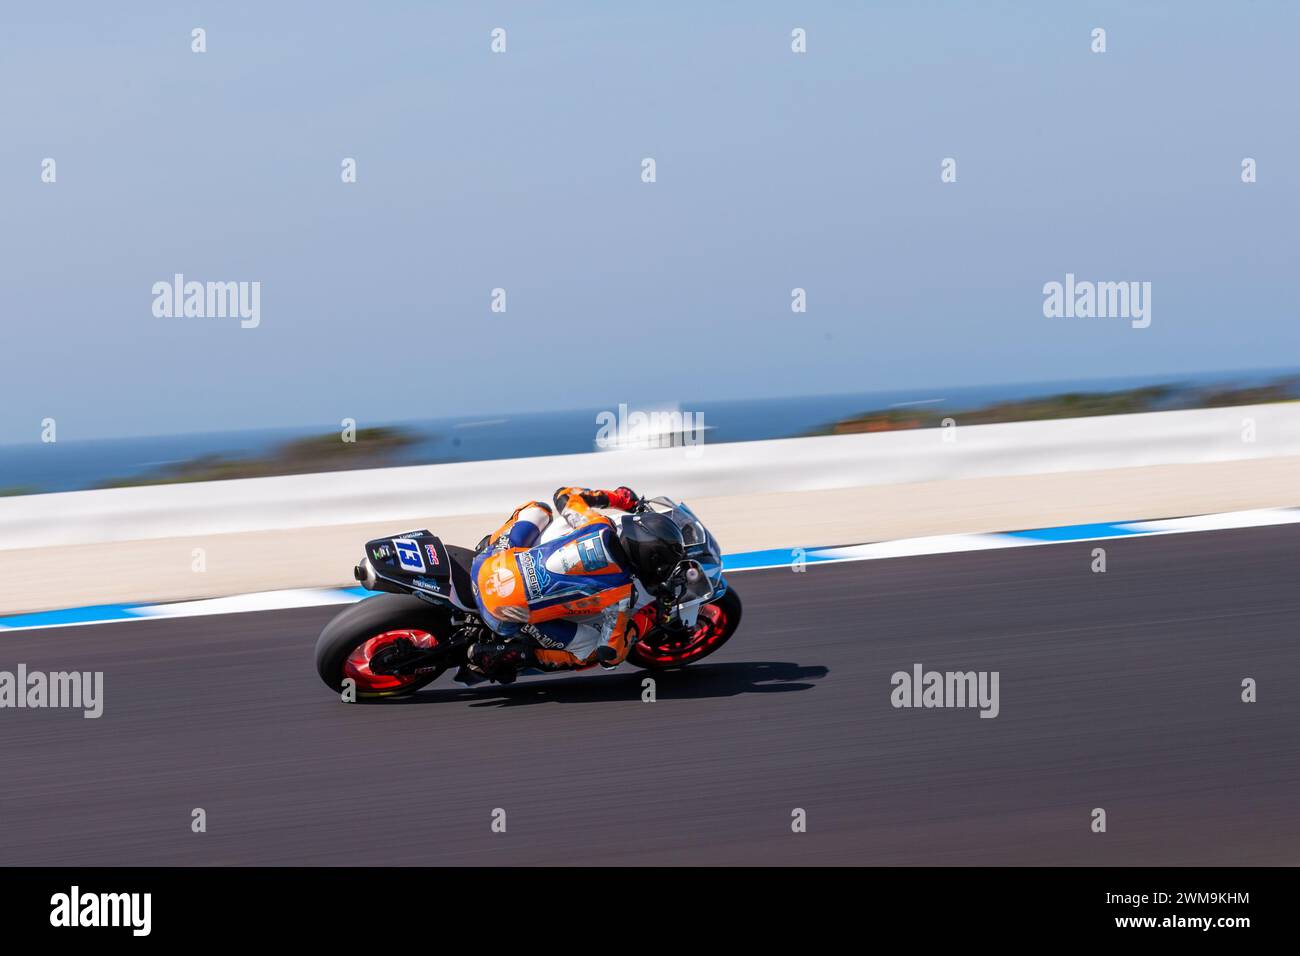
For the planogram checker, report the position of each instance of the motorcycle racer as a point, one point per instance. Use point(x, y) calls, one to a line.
point(572, 599)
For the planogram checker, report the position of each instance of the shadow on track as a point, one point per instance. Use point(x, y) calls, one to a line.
point(695, 682)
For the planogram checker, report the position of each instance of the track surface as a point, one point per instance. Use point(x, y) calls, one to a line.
point(1118, 690)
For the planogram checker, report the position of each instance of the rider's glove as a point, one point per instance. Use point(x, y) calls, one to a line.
point(623, 498)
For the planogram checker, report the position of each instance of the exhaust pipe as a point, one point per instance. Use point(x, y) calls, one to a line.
point(365, 573)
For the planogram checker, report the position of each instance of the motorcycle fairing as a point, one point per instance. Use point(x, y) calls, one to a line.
point(418, 562)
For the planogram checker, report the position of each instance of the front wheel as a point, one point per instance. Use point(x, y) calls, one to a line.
point(366, 639)
point(661, 648)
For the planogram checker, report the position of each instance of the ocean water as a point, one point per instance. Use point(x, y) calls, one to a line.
point(72, 465)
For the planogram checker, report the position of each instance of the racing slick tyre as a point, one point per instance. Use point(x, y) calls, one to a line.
point(662, 649)
point(357, 643)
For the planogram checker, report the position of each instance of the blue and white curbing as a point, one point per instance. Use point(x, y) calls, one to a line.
point(954, 543)
point(747, 561)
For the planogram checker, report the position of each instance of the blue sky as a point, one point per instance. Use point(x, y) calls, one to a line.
point(522, 171)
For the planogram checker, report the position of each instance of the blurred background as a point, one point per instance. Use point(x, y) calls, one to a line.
point(522, 171)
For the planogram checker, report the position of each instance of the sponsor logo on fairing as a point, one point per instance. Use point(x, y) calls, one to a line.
point(432, 552)
point(408, 554)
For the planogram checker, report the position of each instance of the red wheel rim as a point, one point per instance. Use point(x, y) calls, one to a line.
point(710, 629)
point(357, 666)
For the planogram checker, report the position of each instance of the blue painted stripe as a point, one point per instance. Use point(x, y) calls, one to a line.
point(72, 615)
point(1074, 532)
point(755, 559)
point(774, 556)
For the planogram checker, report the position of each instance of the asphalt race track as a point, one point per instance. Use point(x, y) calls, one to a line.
point(1118, 690)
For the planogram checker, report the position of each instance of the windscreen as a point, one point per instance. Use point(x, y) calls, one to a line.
point(701, 547)
point(699, 542)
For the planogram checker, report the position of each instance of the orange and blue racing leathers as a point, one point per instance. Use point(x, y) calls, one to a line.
point(573, 594)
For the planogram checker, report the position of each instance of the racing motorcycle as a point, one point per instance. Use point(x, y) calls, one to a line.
point(426, 617)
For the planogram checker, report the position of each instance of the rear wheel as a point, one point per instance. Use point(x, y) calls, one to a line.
point(716, 623)
point(369, 638)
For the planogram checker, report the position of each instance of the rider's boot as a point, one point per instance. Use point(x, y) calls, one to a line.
point(467, 676)
point(473, 632)
point(500, 661)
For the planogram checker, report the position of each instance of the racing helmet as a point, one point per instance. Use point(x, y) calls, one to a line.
point(654, 547)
